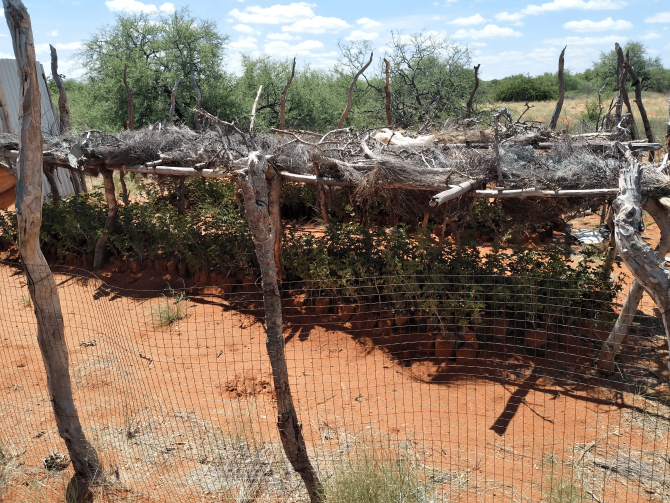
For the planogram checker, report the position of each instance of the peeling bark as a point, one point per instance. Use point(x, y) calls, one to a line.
point(41, 284)
point(110, 224)
point(274, 207)
point(252, 181)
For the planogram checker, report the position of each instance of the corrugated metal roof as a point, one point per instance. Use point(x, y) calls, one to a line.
point(9, 80)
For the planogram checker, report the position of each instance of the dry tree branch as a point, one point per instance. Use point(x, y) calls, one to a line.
point(282, 100)
point(638, 100)
point(63, 107)
point(351, 92)
point(198, 102)
point(173, 97)
point(387, 93)
point(468, 106)
point(131, 104)
point(561, 91)
point(253, 111)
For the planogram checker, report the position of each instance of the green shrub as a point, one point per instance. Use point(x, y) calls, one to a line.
point(526, 88)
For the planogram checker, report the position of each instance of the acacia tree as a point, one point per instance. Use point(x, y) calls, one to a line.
point(604, 69)
point(158, 49)
point(430, 77)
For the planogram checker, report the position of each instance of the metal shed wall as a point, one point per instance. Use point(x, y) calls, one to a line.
point(9, 81)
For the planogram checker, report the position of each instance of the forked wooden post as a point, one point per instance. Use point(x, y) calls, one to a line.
point(63, 107)
point(639, 257)
point(110, 223)
point(387, 93)
point(173, 98)
point(41, 283)
point(252, 181)
point(131, 104)
point(350, 95)
point(282, 99)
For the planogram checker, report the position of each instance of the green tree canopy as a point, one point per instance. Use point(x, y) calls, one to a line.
point(603, 70)
point(157, 50)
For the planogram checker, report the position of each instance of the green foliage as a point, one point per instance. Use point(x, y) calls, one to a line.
point(526, 88)
point(592, 111)
point(157, 50)
point(74, 224)
point(9, 227)
point(659, 80)
point(603, 70)
point(376, 478)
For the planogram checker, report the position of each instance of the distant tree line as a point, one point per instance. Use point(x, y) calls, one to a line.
point(430, 78)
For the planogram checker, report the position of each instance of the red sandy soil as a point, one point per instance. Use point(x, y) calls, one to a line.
point(161, 404)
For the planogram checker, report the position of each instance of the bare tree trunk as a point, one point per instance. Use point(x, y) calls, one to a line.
point(41, 284)
point(282, 100)
point(198, 103)
point(74, 178)
point(63, 107)
point(561, 91)
point(321, 193)
point(173, 97)
point(387, 93)
point(468, 106)
point(131, 103)
point(350, 96)
point(48, 170)
point(110, 224)
point(254, 187)
point(638, 256)
point(622, 74)
point(667, 130)
point(613, 343)
point(638, 100)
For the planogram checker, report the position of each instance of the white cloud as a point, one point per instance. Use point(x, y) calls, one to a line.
point(489, 31)
point(245, 28)
point(306, 48)
point(651, 35)
point(558, 5)
point(361, 35)
point(244, 44)
point(71, 46)
point(53, 33)
point(661, 17)
point(588, 26)
point(136, 7)
point(317, 24)
point(282, 36)
point(468, 21)
point(478, 44)
point(575, 41)
point(275, 14)
point(366, 22)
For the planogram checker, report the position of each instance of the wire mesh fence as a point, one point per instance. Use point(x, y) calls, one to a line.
point(469, 388)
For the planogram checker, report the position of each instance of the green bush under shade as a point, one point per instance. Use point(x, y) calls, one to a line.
point(526, 88)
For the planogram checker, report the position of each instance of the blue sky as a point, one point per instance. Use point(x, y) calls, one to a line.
point(507, 37)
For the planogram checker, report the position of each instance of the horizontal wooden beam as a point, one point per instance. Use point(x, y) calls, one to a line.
point(173, 171)
point(453, 192)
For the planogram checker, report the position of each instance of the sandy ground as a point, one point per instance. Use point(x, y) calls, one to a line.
point(186, 412)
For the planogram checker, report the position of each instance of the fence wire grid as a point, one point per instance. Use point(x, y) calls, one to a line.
point(471, 389)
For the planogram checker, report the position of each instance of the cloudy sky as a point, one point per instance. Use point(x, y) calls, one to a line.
point(508, 36)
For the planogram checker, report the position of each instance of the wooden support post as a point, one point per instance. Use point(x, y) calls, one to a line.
point(638, 256)
point(387, 93)
point(468, 106)
point(252, 181)
point(40, 280)
point(561, 91)
point(667, 130)
point(48, 170)
point(351, 92)
point(613, 343)
point(453, 193)
point(5, 109)
point(124, 187)
point(321, 193)
point(173, 98)
point(131, 104)
point(63, 107)
point(110, 224)
point(76, 183)
point(638, 100)
point(181, 190)
point(282, 100)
